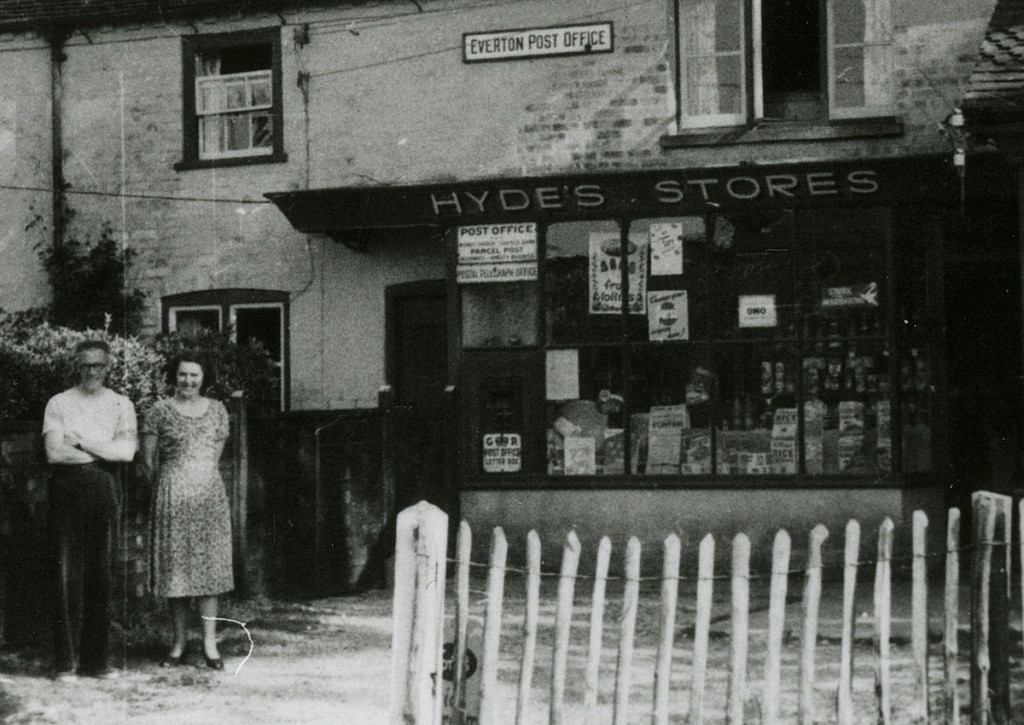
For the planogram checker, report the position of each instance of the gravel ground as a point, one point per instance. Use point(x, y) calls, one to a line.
point(328, 661)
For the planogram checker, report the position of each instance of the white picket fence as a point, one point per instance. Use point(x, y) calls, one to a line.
point(419, 697)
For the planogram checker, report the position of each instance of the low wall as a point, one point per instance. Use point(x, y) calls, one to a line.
point(653, 515)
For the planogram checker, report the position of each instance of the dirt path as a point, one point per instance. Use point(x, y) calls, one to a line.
point(324, 661)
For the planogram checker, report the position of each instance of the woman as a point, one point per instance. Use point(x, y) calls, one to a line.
point(182, 440)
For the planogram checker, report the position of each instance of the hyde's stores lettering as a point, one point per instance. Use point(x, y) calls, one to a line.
point(667, 192)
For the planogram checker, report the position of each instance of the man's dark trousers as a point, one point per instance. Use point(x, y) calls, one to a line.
point(83, 515)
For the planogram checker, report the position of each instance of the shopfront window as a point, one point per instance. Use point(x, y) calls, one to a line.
point(753, 343)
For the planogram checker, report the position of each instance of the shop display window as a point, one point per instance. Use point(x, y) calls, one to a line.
point(752, 343)
point(499, 315)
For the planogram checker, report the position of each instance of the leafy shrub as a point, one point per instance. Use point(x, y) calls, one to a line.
point(37, 361)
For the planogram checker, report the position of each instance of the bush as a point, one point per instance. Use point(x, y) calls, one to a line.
point(37, 361)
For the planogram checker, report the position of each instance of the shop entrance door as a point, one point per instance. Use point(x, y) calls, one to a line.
point(984, 354)
point(416, 361)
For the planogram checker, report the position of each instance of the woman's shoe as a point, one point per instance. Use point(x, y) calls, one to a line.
point(171, 661)
point(214, 663)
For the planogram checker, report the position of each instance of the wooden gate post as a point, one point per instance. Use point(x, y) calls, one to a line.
point(990, 605)
point(421, 544)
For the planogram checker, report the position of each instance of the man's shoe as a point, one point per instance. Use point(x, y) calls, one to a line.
point(214, 663)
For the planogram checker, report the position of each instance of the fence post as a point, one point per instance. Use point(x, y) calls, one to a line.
point(809, 637)
point(492, 628)
point(240, 494)
point(667, 627)
point(951, 649)
point(563, 625)
point(418, 615)
point(851, 554)
point(627, 632)
point(883, 622)
point(593, 671)
point(529, 625)
point(776, 626)
point(990, 608)
point(702, 627)
point(919, 619)
point(463, 547)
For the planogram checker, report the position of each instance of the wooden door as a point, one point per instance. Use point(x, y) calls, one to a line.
point(417, 363)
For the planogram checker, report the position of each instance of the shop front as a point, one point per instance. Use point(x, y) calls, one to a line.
point(699, 350)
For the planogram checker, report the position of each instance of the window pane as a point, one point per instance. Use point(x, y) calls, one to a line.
point(756, 429)
point(261, 325)
point(235, 95)
point(714, 85)
point(848, 21)
point(711, 46)
point(753, 284)
point(499, 315)
point(209, 135)
point(585, 434)
point(671, 393)
point(208, 100)
point(677, 301)
point(262, 131)
point(261, 91)
point(196, 320)
point(236, 132)
point(849, 77)
point(583, 282)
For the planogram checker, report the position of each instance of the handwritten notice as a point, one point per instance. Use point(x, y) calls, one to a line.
point(606, 262)
point(666, 248)
point(668, 316)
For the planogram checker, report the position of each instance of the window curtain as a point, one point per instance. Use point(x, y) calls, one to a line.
point(860, 63)
point(711, 41)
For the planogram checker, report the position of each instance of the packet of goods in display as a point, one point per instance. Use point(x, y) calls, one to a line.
point(850, 447)
point(851, 416)
point(784, 423)
point(814, 433)
point(783, 455)
point(883, 414)
point(665, 438)
point(698, 453)
point(613, 452)
point(580, 456)
point(556, 453)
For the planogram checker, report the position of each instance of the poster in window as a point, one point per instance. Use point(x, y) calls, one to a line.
point(668, 316)
point(666, 248)
point(605, 276)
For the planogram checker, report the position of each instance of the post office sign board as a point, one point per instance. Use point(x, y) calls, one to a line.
point(497, 243)
point(537, 42)
point(510, 272)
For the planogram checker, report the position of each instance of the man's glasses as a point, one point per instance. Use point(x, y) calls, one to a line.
point(91, 366)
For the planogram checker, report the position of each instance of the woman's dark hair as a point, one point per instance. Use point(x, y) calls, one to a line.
point(171, 371)
point(92, 345)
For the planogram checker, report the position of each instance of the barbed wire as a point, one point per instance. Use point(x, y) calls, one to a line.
point(899, 563)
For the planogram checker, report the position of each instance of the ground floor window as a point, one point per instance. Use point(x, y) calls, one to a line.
point(788, 342)
point(246, 314)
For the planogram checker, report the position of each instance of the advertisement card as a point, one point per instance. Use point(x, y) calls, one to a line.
point(668, 316)
point(757, 311)
point(605, 276)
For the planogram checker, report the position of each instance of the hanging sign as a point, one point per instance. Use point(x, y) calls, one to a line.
point(668, 316)
point(757, 311)
point(497, 253)
point(537, 42)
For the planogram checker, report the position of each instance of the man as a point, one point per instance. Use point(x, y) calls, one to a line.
point(87, 430)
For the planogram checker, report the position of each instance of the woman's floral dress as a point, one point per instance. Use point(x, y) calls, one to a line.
point(191, 519)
